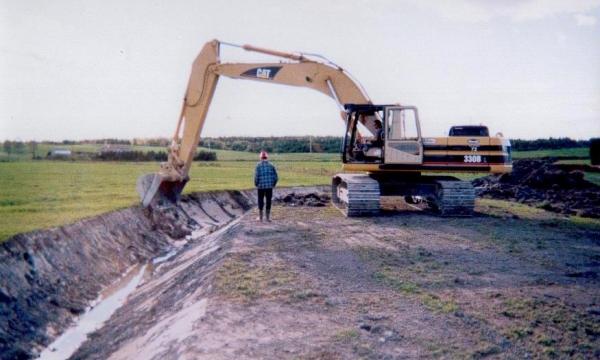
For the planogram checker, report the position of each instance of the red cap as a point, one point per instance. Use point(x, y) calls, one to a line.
point(263, 155)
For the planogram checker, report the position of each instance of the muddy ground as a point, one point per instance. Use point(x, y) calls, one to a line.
point(313, 284)
point(516, 280)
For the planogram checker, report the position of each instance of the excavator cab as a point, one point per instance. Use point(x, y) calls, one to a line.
point(397, 142)
point(403, 143)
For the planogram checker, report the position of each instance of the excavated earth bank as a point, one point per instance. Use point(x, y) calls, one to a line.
point(50, 277)
point(312, 284)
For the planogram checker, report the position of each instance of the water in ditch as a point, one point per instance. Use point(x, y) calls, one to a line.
point(63, 347)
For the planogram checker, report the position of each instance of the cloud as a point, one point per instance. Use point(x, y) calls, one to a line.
point(584, 20)
point(541, 9)
point(462, 10)
point(516, 10)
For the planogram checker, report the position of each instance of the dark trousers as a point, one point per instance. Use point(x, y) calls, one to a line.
point(262, 194)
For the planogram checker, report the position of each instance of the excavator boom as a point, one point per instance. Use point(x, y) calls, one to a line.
point(166, 185)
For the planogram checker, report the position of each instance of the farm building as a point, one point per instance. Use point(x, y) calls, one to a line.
point(59, 153)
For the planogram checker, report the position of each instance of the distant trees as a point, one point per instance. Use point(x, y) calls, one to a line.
point(109, 141)
point(205, 156)
point(19, 148)
point(332, 144)
point(282, 145)
point(96, 141)
point(150, 156)
point(13, 147)
point(132, 156)
point(33, 146)
point(285, 144)
point(548, 144)
point(159, 142)
point(7, 147)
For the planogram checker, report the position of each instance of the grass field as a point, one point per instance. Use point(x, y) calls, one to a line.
point(42, 194)
point(222, 155)
point(577, 152)
point(227, 155)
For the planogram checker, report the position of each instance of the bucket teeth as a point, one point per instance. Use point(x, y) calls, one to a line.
point(156, 190)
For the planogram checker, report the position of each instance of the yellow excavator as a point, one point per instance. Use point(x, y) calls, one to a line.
point(383, 151)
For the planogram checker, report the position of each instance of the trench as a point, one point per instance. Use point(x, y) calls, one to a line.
point(63, 347)
point(67, 281)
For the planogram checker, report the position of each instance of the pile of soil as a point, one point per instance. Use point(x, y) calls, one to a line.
point(310, 199)
point(543, 184)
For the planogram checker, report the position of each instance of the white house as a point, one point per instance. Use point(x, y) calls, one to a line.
point(60, 152)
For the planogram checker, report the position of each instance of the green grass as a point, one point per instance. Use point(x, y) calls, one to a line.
point(555, 327)
point(43, 194)
point(578, 152)
point(222, 155)
point(38, 195)
point(245, 278)
point(228, 155)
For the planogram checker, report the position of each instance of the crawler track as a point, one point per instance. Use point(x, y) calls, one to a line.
point(359, 195)
point(355, 195)
point(455, 198)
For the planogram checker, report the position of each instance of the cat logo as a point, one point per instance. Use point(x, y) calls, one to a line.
point(264, 73)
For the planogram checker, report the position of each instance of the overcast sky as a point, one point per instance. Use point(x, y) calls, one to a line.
point(95, 69)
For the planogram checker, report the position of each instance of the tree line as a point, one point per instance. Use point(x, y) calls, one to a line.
point(138, 156)
point(286, 144)
point(548, 144)
point(332, 144)
point(18, 148)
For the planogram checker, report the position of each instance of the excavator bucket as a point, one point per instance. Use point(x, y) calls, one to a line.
point(155, 190)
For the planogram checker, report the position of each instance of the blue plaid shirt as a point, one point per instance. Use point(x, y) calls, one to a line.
point(265, 175)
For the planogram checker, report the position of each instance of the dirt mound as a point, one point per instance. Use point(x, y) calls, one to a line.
point(310, 199)
point(542, 184)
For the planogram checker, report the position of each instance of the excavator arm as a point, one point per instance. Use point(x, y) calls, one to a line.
point(166, 185)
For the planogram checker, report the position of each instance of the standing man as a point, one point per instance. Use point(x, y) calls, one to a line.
point(265, 179)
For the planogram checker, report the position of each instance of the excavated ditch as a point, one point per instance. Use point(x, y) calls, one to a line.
point(49, 278)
